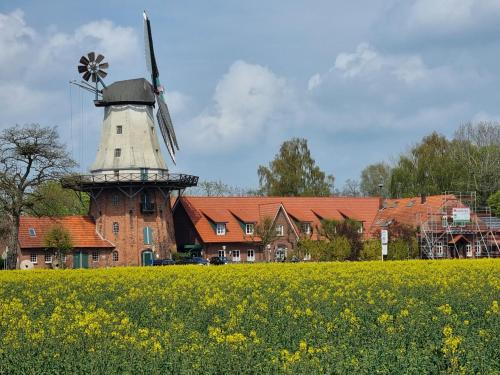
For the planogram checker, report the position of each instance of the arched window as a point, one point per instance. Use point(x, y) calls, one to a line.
point(115, 256)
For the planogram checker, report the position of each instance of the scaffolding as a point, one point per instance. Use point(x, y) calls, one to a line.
point(457, 228)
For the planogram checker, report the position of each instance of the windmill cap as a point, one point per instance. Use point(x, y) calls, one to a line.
point(130, 91)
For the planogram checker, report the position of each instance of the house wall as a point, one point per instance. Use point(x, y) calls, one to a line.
point(126, 211)
point(212, 250)
point(185, 232)
point(105, 258)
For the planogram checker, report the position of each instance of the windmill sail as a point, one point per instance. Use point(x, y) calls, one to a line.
point(162, 115)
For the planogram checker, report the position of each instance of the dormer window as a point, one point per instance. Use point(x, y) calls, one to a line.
point(306, 228)
point(249, 229)
point(360, 229)
point(221, 229)
point(32, 232)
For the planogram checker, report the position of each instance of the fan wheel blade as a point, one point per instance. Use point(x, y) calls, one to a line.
point(84, 60)
point(82, 68)
point(94, 77)
point(102, 73)
point(103, 66)
point(99, 58)
point(91, 56)
point(86, 76)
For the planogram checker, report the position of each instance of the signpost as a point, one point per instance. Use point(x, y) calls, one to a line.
point(384, 237)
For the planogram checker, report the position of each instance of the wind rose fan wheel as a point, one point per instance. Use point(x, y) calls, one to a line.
point(92, 67)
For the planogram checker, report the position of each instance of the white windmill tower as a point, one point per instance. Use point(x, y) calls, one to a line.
point(129, 182)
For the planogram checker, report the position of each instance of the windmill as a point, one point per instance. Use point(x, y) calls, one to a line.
point(129, 183)
point(93, 68)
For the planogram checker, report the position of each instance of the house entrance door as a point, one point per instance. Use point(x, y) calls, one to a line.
point(80, 259)
point(147, 258)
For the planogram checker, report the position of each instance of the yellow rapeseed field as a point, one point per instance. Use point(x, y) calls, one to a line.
point(411, 317)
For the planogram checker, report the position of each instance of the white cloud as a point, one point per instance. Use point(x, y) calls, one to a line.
point(245, 101)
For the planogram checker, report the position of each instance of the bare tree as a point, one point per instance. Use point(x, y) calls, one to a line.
point(351, 188)
point(29, 156)
point(265, 234)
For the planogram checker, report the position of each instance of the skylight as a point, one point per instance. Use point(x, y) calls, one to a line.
point(32, 232)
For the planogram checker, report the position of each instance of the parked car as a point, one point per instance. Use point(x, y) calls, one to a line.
point(219, 260)
point(163, 262)
point(194, 260)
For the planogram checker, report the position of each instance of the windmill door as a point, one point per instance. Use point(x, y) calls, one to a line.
point(147, 258)
point(80, 260)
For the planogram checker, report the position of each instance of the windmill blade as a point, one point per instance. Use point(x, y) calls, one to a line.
point(84, 60)
point(86, 76)
point(150, 54)
point(94, 77)
point(91, 56)
point(165, 114)
point(165, 135)
point(82, 68)
point(104, 66)
point(99, 58)
point(102, 73)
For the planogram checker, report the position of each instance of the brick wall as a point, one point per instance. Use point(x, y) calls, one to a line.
point(113, 206)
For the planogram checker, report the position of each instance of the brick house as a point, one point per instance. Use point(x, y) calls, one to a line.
point(439, 234)
point(225, 226)
point(90, 250)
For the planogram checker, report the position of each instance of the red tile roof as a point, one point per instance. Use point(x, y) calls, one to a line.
point(82, 229)
point(254, 209)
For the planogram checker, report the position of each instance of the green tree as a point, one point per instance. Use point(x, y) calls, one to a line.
point(494, 203)
point(349, 229)
point(337, 248)
point(51, 199)
point(293, 172)
point(58, 240)
point(29, 157)
point(374, 175)
point(372, 250)
point(265, 234)
point(429, 168)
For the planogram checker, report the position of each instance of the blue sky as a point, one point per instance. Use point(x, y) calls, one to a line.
point(361, 80)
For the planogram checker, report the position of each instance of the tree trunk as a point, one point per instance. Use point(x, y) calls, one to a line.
point(14, 251)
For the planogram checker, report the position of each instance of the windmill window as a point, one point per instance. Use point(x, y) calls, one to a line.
point(32, 232)
point(34, 258)
point(115, 199)
point(48, 258)
point(119, 129)
point(115, 256)
point(118, 152)
point(95, 256)
point(148, 235)
point(116, 228)
point(248, 228)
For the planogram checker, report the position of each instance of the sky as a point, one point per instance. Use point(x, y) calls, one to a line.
point(362, 81)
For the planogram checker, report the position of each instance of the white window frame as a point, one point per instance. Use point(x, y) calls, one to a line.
point(116, 228)
point(220, 229)
point(478, 248)
point(236, 258)
point(439, 249)
point(47, 258)
point(115, 256)
point(64, 258)
point(360, 229)
point(34, 258)
point(95, 255)
point(249, 228)
point(250, 255)
point(468, 249)
point(280, 230)
point(307, 256)
point(306, 228)
point(221, 253)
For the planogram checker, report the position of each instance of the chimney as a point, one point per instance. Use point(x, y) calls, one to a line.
point(423, 198)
